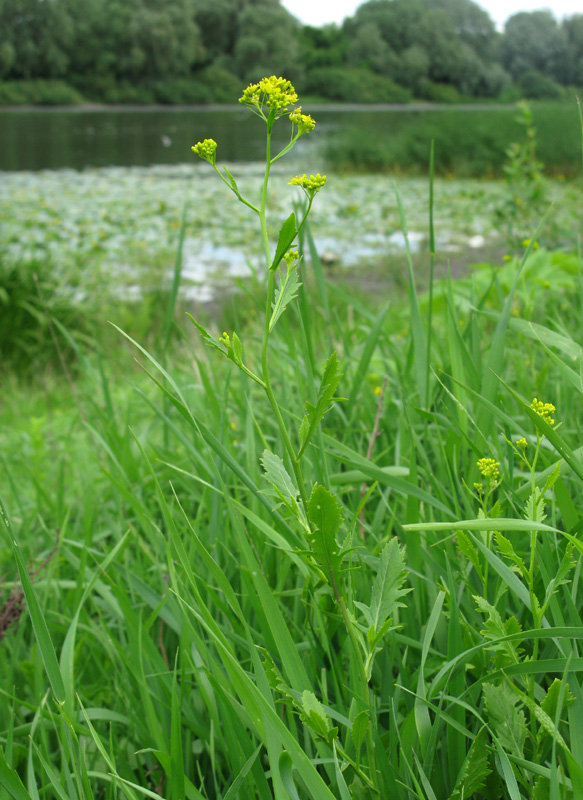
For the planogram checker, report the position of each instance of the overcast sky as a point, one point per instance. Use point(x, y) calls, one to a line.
point(319, 12)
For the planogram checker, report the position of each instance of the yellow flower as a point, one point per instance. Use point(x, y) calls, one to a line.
point(522, 444)
point(544, 410)
point(275, 93)
point(310, 185)
point(489, 469)
point(377, 391)
point(290, 257)
point(304, 122)
point(207, 150)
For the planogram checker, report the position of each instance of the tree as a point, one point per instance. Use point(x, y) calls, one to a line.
point(368, 49)
point(267, 43)
point(573, 29)
point(35, 38)
point(534, 41)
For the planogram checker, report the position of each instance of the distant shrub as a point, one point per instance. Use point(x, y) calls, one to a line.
point(438, 92)
point(221, 84)
point(354, 86)
point(42, 93)
point(536, 86)
point(181, 91)
point(127, 94)
point(510, 94)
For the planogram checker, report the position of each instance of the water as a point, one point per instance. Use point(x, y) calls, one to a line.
point(38, 139)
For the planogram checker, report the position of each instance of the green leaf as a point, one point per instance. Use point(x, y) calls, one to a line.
point(387, 588)
point(232, 180)
point(495, 628)
point(207, 338)
point(10, 781)
point(467, 549)
point(507, 550)
point(276, 474)
point(475, 769)
point(315, 717)
point(325, 515)
point(284, 294)
point(507, 721)
point(287, 234)
point(549, 704)
point(39, 625)
point(360, 726)
point(330, 381)
point(566, 565)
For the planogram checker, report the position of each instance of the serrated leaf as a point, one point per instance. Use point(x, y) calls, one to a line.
point(330, 381)
point(360, 726)
point(496, 628)
point(545, 722)
point(535, 507)
point(325, 516)
point(507, 721)
point(387, 588)
point(207, 338)
point(284, 294)
point(474, 770)
point(466, 548)
point(273, 675)
point(276, 474)
point(553, 478)
point(313, 714)
point(507, 550)
point(287, 234)
point(566, 565)
point(549, 704)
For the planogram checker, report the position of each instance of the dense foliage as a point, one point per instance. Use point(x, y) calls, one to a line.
point(190, 50)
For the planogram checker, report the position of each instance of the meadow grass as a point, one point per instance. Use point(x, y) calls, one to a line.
point(377, 612)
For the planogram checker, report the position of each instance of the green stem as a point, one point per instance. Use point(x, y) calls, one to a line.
point(264, 348)
point(364, 688)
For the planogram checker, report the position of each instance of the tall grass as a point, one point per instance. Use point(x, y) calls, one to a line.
point(388, 619)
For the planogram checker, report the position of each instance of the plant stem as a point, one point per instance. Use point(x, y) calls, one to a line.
point(264, 361)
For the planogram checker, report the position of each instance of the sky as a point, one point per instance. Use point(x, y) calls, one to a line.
point(320, 12)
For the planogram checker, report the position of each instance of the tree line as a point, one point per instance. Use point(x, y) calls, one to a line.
point(201, 50)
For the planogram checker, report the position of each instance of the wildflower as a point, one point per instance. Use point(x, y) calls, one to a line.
point(522, 444)
point(377, 391)
point(225, 340)
point(310, 185)
point(544, 410)
point(479, 488)
point(507, 257)
point(304, 123)
point(207, 150)
point(489, 469)
point(275, 93)
point(526, 243)
point(290, 257)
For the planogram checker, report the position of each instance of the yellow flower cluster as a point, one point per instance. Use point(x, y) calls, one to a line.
point(290, 257)
point(544, 410)
point(522, 444)
point(207, 150)
point(304, 122)
point(489, 469)
point(275, 93)
point(311, 185)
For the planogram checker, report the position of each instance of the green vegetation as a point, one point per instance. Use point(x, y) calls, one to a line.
point(336, 553)
point(466, 143)
point(192, 51)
